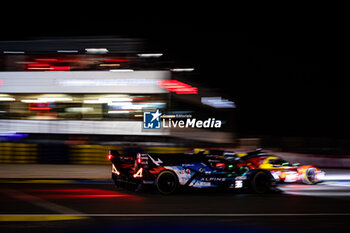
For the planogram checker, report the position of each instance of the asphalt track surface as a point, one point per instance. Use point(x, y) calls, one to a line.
point(91, 207)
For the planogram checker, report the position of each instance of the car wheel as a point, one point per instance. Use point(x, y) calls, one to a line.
point(309, 176)
point(167, 182)
point(261, 182)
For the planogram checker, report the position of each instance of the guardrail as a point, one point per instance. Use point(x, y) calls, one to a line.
point(11, 152)
point(55, 153)
point(59, 153)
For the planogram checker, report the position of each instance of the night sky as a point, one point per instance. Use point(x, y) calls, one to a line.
point(277, 65)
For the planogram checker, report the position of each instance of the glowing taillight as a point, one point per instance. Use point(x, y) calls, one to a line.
point(110, 157)
point(138, 174)
point(141, 160)
point(138, 158)
point(114, 170)
point(221, 165)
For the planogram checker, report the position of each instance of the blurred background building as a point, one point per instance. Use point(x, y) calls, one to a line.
point(71, 99)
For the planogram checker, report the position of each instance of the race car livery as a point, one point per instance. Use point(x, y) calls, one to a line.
point(281, 170)
point(169, 172)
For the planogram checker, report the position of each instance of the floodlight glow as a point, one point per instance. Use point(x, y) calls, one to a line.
point(13, 52)
point(121, 70)
point(7, 99)
point(182, 69)
point(53, 99)
point(218, 102)
point(147, 55)
point(96, 50)
point(34, 101)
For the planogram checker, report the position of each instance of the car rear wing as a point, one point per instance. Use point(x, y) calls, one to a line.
point(139, 161)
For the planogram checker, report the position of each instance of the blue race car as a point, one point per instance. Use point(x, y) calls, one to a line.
point(169, 172)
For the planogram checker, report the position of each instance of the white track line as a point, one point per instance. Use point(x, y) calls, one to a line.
point(319, 194)
point(314, 188)
point(317, 190)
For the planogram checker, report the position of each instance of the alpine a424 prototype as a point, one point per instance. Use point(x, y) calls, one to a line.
point(282, 171)
point(169, 172)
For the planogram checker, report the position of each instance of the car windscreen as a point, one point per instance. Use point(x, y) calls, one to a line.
point(278, 161)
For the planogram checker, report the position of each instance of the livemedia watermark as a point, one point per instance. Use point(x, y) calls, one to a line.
point(155, 120)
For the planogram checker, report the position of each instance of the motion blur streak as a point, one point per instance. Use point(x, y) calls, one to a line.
point(58, 196)
point(76, 193)
point(178, 87)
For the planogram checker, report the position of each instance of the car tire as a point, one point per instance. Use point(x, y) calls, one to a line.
point(261, 182)
point(167, 182)
point(309, 176)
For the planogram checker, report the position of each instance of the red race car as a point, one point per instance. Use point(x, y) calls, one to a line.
point(281, 170)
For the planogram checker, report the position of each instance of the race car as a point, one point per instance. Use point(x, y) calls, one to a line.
point(281, 170)
point(170, 172)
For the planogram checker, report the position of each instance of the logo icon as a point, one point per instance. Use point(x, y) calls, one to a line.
point(151, 120)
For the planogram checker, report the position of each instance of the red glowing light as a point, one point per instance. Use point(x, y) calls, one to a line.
point(178, 87)
point(39, 109)
point(37, 64)
point(47, 67)
point(47, 59)
point(59, 68)
point(139, 160)
point(117, 60)
point(110, 157)
point(77, 193)
point(220, 165)
point(87, 195)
